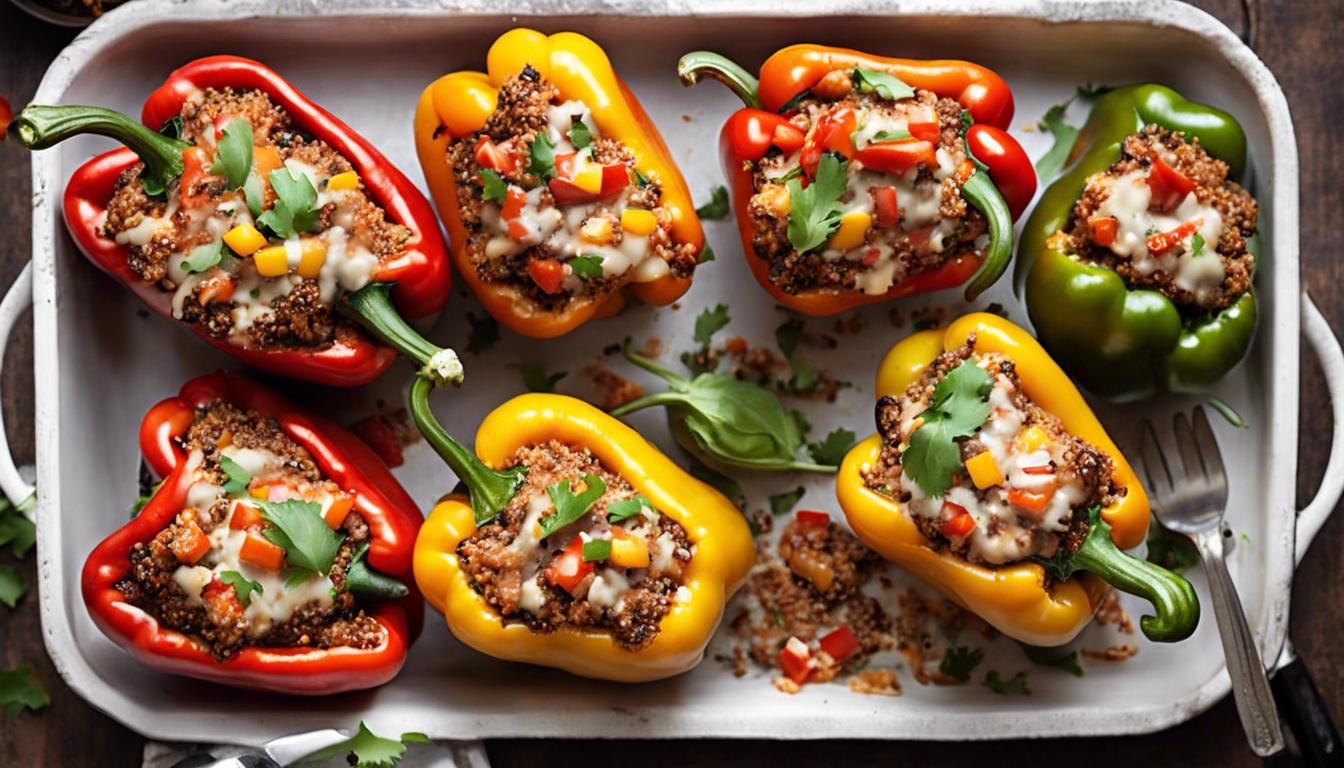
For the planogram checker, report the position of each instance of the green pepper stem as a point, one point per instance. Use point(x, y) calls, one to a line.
point(491, 490)
point(1174, 600)
point(368, 584)
point(698, 64)
point(979, 191)
point(40, 127)
point(372, 307)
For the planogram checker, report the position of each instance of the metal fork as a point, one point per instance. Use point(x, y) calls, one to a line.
point(1190, 498)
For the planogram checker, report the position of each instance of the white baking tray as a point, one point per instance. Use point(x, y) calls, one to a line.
point(100, 365)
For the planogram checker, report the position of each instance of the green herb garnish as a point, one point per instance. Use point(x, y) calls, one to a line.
point(958, 407)
point(881, 83)
point(706, 255)
point(596, 549)
point(535, 377)
point(484, 332)
point(1015, 684)
point(1228, 413)
point(493, 187)
point(1196, 246)
point(960, 661)
point(624, 509)
point(367, 750)
point(586, 266)
point(717, 207)
point(542, 152)
point(816, 211)
point(832, 448)
point(579, 135)
point(298, 528)
point(203, 257)
point(12, 586)
point(234, 161)
point(803, 379)
point(21, 689)
point(896, 135)
point(238, 477)
point(719, 482)
point(293, 212)
point(569, 507)
point(783, 503)
point(1051, 657)
point(1065, 135)
point(709, 322)
point(242, 585)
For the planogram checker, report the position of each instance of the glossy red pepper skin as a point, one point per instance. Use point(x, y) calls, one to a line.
point(421, 271)
point(393, 518)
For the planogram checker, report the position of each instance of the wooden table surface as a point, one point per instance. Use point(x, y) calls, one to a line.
point(1298, 39)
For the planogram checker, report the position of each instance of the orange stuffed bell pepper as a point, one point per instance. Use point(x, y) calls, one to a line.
point(558, 193)
point(578, 544)
point(992, 480)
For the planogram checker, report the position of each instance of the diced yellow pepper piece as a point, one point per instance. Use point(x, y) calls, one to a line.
point(589, 179)
point(244, 239)
point(629, 551)
point(638, 222)
point(983, 471)
point(272, 261)
point(259, 491)
point(597, 231)
point(314, 252)
point(1031, 439)
point(775, 199)
point(853, 228)
point(347, 180)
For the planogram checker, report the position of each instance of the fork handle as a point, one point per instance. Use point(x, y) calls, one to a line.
point(1250, 685)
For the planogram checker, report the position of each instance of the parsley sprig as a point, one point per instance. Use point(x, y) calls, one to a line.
point(624, 509)
point(816, 211)
point(298, 528)
point(570, 506)
point(234, 161)
point(293, 212)
point(958, 407)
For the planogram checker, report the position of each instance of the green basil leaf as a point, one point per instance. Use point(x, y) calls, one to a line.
point(203, 257)
point(891, 135)
point(596, 549)
point(884, 85)
point(706, 255)
point(618, 511)
point(20, 689)
point(12, 586)
point(234, 161)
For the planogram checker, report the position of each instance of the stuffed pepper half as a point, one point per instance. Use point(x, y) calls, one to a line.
point(870, 178)
point(586, 550)
point(274, 556)
point(250, 218)
point(1137, 263)
point(991, 479)
point(558, 193)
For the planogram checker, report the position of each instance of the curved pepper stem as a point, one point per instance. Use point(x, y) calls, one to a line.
point(372, 307)
point(490, 489)
point(698, 64)
point(40, 127)
point(1173, 599)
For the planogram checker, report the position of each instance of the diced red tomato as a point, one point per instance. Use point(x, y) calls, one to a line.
point(924, 131)
point(1033, 501)
point(244, 516)
point(217, 288)
point(1163, 241)
point(1044, 469)
point(514, 201)
point(614, 179)
point(830, 134)
point(190, 544)
point(884, 202)
point(261, 552)
point(871, 256)
point(569, 193)
point(1104, 231)
point(567, 569)
point(548, 274)
point(788, 137)
point(195, 170)
point(377, 432)
point(1169, 186)
point(897, 156)
point(840, 643)
point(813, 518)
point(959, 522)
point(491, 155)
point(796, 660)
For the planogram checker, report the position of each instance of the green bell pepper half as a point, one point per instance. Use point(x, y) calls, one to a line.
point(1119, 343)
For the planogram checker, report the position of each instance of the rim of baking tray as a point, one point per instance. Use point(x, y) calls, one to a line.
point(1283, 341)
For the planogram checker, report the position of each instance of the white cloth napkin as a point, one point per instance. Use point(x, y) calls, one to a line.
point(435, 754)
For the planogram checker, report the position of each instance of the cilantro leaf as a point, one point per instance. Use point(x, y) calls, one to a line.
point(484, 333)
point(586, 266)
point(960, 661)
point(1065, 136)
point(254, 193)
point(20, 688)
point(706, 255)
point(1050, 657)
point(1015, 684)
point(299, 529)
point(238, 477)
point(596, 549)
point(627, 508)
point(12, 586)
point(295, 575)
point(884, 85)
point(709, 322)
point(891, 135)
point(783, 503)
point(535, 377)
point(569, 506)
point(203, 257)
point(816, 211)
point(493, 187)
point(579, 135)
point(235, 153)
point(719, 482)
point(542, 152)
point(804, 378)
point(242, 585)
point(293, 211)
point(959, 406)
point(368, 750)
point(831, 449)
point(717, 207)
point(1196, 246)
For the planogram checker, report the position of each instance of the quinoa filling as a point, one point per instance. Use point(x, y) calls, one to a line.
point(902, 209)
point(618, 566)
point(1166, 217)
point(215, 575)
point(554, 208)
point(250, 266)
point(1023, 480)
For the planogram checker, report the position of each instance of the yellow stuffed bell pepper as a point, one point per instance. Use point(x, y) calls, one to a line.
point(719, 541)
point(554, 217)
point(1037, 601)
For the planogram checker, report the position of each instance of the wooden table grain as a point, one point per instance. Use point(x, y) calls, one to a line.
point(1298, 39)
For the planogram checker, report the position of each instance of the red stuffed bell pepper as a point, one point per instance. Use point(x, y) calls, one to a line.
point(858, 179)
point(275, 556)
point(250, 217)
